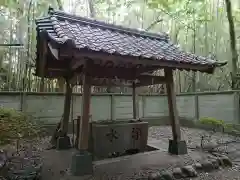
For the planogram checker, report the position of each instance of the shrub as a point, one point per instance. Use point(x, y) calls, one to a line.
point(16, 125)
point(211, 121)
point(219, 124)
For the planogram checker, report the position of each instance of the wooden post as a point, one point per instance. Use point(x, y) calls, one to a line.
point(112, 107)
point(76, 143)
point(173, 113)
point(134, 100)
point(84, 124)
point(82, 160)
point(67, 107)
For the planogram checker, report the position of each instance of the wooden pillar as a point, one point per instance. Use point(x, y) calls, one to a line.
point(173, 113)
point(67, 108)
point(84, 124)
point(134, 101)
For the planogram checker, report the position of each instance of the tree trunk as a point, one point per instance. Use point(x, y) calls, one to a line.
point(91, 8)
point(232, 43)
point(60, 5)
point(25, 84)
point(194, 51)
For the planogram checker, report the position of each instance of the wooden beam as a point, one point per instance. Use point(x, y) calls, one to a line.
point(84, 127)
point(117, 60)
point(112, 72)
point(76, 63)
point(142, 80)
point(146, 80)
point(109, 68)
point(172, 105)
point(54, 51)
point(101, 58)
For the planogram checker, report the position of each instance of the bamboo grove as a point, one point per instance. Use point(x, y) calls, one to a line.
point(205, 27)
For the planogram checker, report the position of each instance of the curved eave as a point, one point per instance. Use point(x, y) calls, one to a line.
point(56, 42)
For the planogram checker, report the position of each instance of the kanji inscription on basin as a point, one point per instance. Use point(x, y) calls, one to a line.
point(136, 133)
point(112, 135)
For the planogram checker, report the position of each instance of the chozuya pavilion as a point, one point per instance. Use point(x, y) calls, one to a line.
point(84, 51)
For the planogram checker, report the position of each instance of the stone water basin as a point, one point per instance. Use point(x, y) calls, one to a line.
point(117, 137)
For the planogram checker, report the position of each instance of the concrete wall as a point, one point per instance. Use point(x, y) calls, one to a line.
point(224, 106)
point(49, 106)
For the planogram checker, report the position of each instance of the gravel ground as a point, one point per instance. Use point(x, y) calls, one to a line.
point(193, 139)
point(225, 174)
point(161, 133)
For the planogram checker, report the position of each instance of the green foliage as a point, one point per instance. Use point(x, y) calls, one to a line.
point(181, 18)
point(211, 121)
point(220, 124)
point(16, 125)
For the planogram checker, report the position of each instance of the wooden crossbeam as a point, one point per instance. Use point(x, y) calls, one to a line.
point(100, 80)
point(129, 61)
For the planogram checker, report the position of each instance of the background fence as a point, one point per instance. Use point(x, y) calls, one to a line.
point(48, 107)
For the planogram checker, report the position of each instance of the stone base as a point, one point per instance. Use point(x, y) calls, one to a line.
point(82, 164)
point(177, 147)
point(63, 142)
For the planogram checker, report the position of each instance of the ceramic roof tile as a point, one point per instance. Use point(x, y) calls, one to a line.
point(99, 36)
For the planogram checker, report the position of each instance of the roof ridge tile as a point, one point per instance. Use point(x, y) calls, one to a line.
point(103, 25)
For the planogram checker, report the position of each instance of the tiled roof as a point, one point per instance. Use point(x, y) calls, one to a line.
point(99, 36)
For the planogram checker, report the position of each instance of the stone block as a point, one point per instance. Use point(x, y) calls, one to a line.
point(189, 171)
point(198, 167)
point(177, 147)
point(117, 137)
point(154, 176)
point(220, 161)
point(177, 173)
point(215, 163)
point(63, 142)
point(167, 176)
point(226, 161)
point(82, 164)
point(207, 166)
